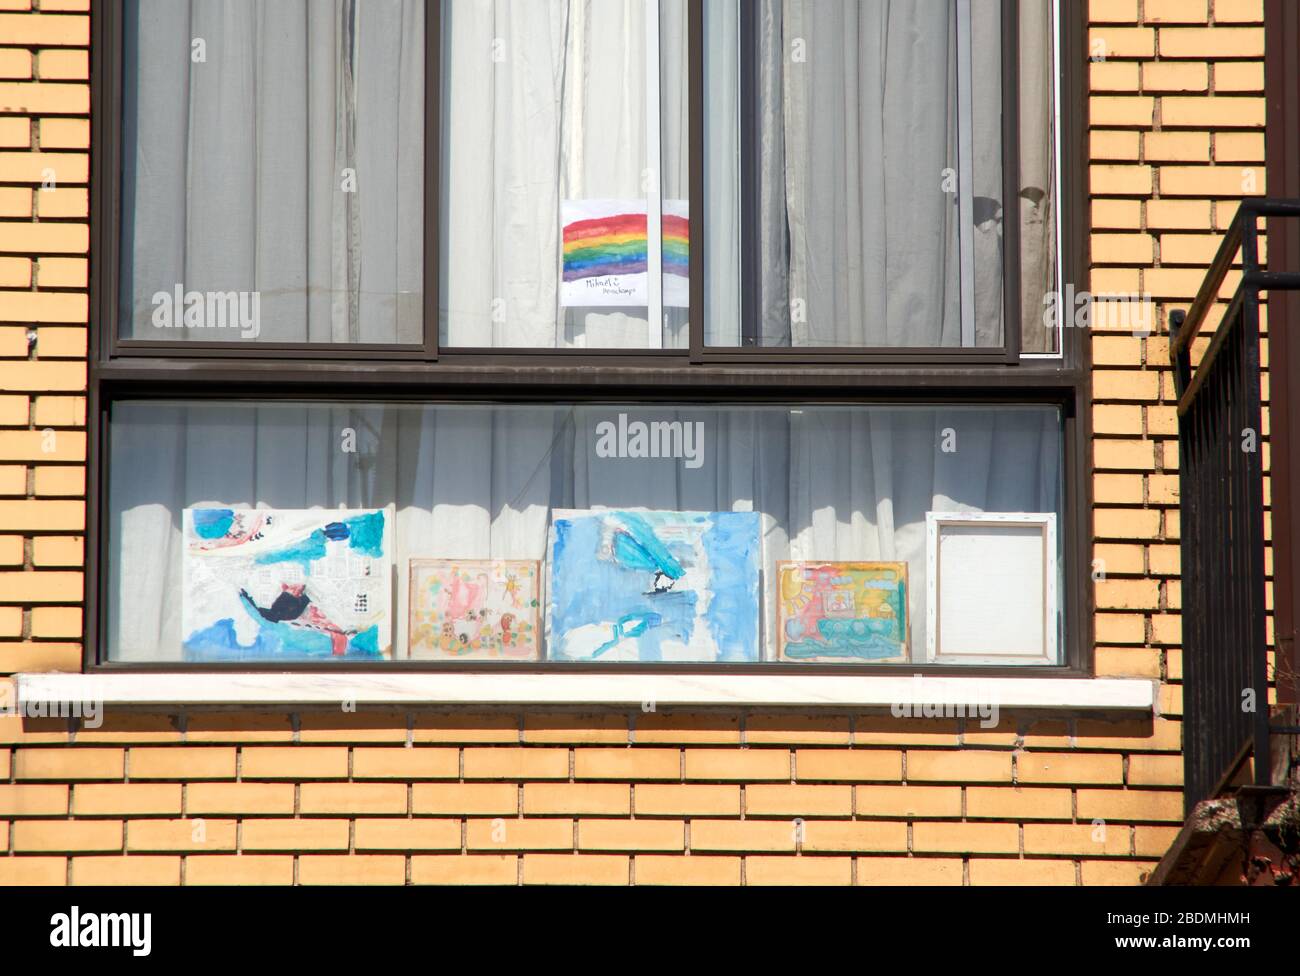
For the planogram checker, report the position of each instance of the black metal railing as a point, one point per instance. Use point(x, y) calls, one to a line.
point(1221, 504)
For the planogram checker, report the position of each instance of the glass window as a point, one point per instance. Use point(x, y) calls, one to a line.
point(564, 124)
point(273, 171)
point(603, 532)
point(858, 148)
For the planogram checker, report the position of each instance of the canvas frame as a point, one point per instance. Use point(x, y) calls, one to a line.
point(1045, 522)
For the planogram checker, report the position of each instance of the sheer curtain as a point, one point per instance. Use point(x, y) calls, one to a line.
point(276, 147)
point(545, 101)
point(482, 482)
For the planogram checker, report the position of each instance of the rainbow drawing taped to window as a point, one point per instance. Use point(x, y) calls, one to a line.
point(286, 584)
point(606, 253)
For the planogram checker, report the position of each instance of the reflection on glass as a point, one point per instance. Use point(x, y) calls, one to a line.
point(273, 171)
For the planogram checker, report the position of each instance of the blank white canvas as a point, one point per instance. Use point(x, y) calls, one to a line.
point(992, 590)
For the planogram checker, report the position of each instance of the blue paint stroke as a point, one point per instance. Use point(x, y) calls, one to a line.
point(364, 534)
point(637, 547)
point(732, 545)
point(219, 642)
point(274, 640)
point(633, 625)
point(212, 523)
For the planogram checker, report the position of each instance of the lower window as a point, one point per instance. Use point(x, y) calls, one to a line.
point(596, 532)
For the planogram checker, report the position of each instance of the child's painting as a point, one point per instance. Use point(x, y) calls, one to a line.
point(271, 584)
point(606, 253)
point(475, 609)
point(842, 611)
point(654, 586)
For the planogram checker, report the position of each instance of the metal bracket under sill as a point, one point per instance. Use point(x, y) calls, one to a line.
point(905, 695)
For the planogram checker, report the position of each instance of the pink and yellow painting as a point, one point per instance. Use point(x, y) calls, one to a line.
point(475, 609)
point(842, 611)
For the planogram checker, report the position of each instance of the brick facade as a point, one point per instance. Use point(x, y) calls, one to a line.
point(722, 796)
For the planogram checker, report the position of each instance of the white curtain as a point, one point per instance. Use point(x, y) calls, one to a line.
point(277, 147)
point(482, 481)
point(545, 101)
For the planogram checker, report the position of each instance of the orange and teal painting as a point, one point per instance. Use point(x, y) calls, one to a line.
point(842, 611)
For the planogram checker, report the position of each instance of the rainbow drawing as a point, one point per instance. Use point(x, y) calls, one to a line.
point(605, 252)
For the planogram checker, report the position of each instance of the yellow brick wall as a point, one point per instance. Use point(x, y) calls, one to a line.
point(724, 796)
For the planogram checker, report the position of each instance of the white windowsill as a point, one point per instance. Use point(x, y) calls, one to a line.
point(863, 691)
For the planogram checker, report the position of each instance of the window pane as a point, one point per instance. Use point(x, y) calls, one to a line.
point(273, 171)
point(1038, 179)
point(840, 138)
point(560, 132)
point(290, 531)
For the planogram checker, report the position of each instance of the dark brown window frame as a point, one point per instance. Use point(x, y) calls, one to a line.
point(134, 369)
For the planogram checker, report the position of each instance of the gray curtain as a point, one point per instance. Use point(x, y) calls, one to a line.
point(277, 147)
point(860, 130)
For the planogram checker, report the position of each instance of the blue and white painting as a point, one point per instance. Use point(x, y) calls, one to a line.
point(286, 584)
point(654, 586)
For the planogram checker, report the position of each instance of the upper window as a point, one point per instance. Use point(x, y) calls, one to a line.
point(869, 176)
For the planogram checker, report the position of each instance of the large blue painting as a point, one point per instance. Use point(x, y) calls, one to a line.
point(286, 584)
point(654, 586)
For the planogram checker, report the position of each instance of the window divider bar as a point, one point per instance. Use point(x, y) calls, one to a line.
point(654, 182)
